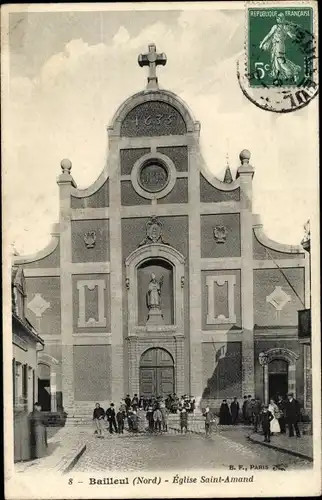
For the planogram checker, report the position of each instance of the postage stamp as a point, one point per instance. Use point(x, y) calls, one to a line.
point(278, 71)
point(280, 51)
point(161, 292)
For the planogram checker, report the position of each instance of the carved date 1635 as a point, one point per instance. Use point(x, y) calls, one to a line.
point(158, 120)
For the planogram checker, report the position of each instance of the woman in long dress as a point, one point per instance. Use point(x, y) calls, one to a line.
point(281, 67)
point(273, 408)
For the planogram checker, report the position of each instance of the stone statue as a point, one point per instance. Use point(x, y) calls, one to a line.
point(153, 302)
point(154, 292)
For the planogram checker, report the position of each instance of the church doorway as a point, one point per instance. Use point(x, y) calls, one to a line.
point(277, 378)
point(44, 398)
point(156, 373)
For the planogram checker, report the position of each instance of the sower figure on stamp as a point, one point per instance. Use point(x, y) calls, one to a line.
point(110, 414)
point(292, 409)
point(98, 417)
point(266, 417)
point(282, 68)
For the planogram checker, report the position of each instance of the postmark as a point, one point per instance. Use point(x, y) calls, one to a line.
point(278, 71)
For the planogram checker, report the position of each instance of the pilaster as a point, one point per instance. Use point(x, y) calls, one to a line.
point(194, 271)
point(65, 182)
point(245, 172)
point(116, 285)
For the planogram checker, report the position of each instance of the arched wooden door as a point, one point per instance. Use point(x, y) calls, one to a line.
point(156, 373)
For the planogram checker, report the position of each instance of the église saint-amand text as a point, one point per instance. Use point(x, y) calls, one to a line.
point(159, 278)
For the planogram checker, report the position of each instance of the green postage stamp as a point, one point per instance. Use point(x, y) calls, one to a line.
point(280, 46)
point(279, 72)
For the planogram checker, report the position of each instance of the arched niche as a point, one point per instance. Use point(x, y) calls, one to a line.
point(159, 267)
point(158, 258)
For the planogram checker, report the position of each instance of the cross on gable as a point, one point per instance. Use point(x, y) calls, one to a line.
point(152, 59)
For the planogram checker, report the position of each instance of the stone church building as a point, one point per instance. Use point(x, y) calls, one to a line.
point(159, 278)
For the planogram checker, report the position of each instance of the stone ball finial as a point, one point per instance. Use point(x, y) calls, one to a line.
point(66, 166)
point(244, 156)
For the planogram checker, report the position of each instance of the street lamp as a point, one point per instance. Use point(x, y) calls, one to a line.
point(263, 360)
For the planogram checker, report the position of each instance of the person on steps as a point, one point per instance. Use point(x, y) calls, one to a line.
point(266, 417)
point(98, 418)
point(111, 418)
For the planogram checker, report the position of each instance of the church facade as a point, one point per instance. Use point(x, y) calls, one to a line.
point(159, 278)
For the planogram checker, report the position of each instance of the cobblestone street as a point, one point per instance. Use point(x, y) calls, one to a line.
point(172, 450)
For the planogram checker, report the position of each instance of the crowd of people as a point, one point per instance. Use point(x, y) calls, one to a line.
point(142, 414)
point(273, 417)
point(151, 415)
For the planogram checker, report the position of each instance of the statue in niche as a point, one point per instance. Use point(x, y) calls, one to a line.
point(153, 302)
point(154, 292)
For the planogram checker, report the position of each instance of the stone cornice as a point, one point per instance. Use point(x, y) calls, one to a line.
point(271, 244)
point(222, 186)
point(72, 268)
point(45, 252)
point(278, 263)
point(82, 193)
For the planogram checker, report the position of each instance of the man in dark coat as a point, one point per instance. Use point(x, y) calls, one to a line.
point(135, 402)
point(281, 406)
point(244, 409)
point(120, 417)
point(292, 411)
point(266, 417)
point(127, 402)
point(183, 421)
point(256, 412)
point(234, 410)
point(110, 414)
point(224, 414)
point(249, 410)
point(98, 417)
point(149, 417)
point(38, 433)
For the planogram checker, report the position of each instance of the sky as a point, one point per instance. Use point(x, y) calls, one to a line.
point(70, 71)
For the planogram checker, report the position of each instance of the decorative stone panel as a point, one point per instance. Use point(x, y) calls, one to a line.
point(221, 299)
point(230, 246)
point(91, 285)
point(212, 317)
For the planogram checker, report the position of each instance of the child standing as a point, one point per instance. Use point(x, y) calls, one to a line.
point(120, 417)
point(183, 421)
point(266, 418)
